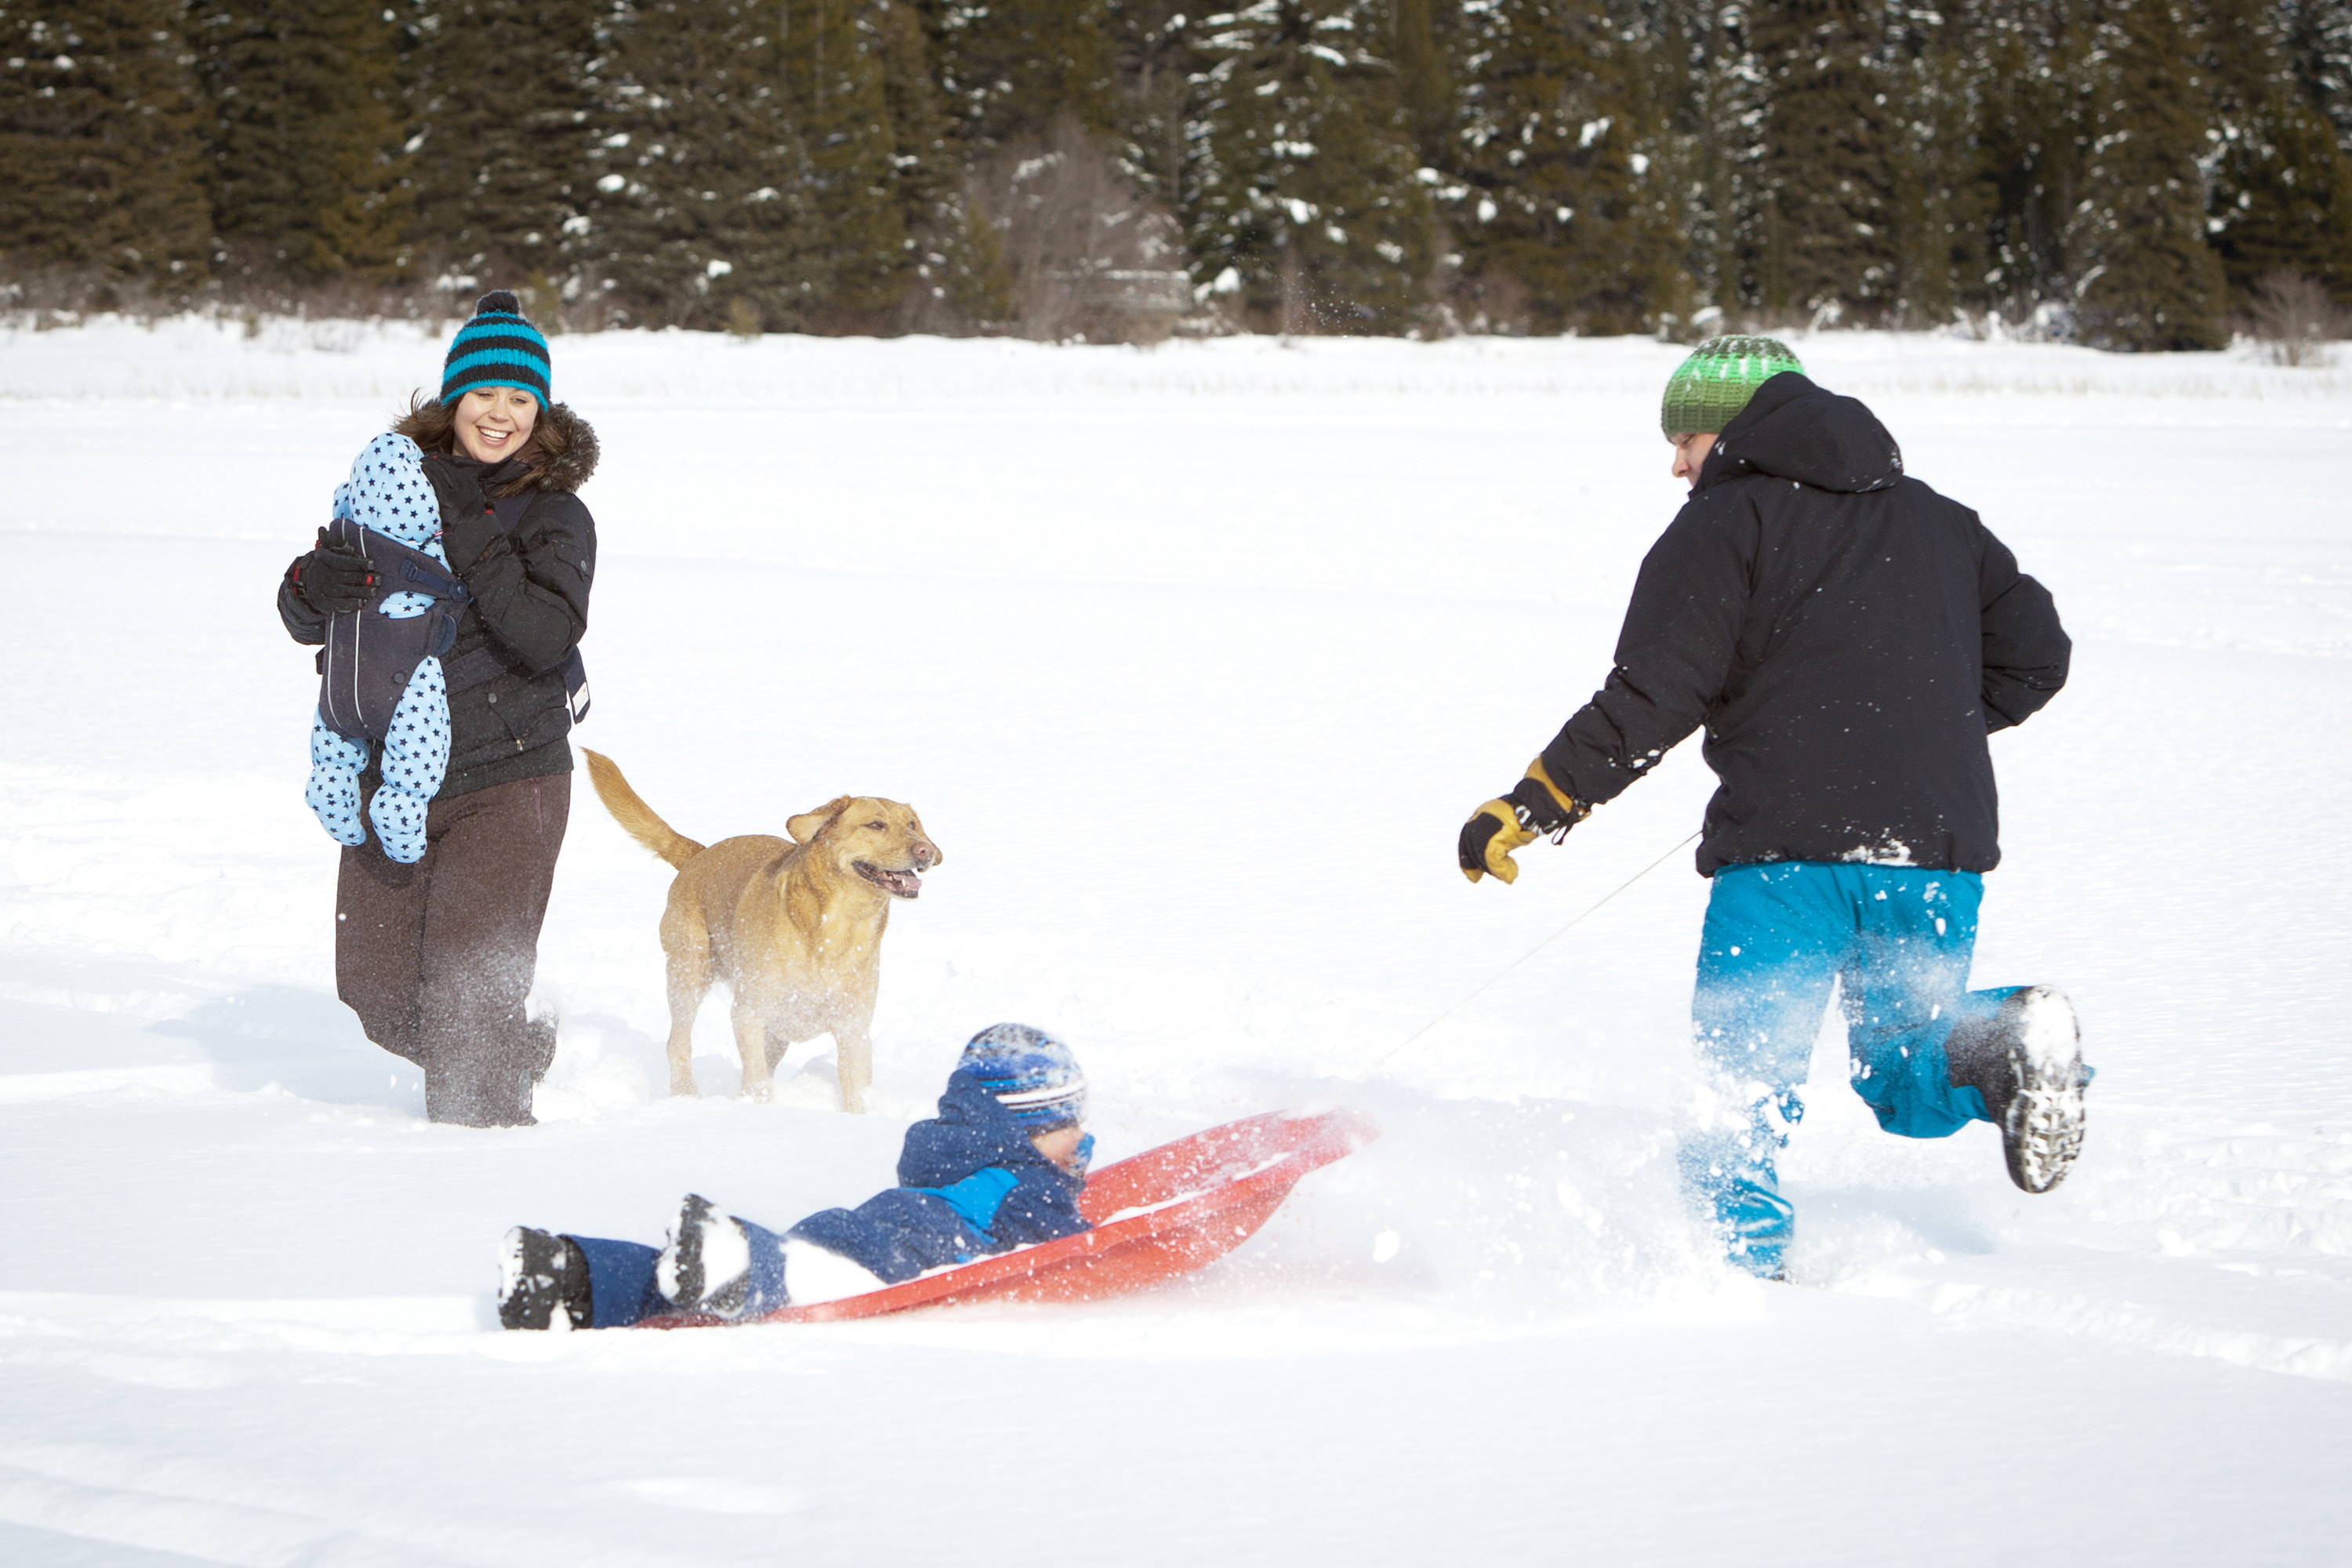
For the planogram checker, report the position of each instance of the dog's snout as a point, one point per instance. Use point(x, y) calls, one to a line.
point(926, 853)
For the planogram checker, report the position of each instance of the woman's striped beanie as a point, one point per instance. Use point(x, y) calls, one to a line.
point(1032, 1074)
point(1716, 381)
point(497, 348)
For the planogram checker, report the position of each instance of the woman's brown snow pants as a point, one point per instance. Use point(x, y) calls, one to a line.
point(436, 958)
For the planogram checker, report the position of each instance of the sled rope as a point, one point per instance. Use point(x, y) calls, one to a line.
point(1531, 952)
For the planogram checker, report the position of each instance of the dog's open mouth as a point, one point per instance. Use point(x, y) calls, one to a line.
point(898, 884)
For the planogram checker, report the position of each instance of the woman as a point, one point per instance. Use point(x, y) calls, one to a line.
point(436, 958)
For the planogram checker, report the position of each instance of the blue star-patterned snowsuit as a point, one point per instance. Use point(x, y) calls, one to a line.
point(388, 492)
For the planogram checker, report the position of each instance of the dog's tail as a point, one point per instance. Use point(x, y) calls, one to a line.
point(633, 814)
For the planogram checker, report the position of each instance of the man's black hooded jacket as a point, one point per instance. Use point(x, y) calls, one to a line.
point(1847, 636)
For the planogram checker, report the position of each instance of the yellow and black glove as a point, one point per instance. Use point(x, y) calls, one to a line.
point(1535, 805)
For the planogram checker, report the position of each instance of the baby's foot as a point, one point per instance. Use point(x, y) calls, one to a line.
point(399, 818)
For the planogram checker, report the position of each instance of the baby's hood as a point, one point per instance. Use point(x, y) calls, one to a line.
point(388, 492)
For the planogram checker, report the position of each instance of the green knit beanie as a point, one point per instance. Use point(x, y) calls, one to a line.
point(1716, 382)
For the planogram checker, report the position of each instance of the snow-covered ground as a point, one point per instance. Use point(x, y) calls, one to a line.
point(1192, 659)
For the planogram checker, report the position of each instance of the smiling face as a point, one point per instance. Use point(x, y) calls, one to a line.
point(493, 422)
point(880, 841)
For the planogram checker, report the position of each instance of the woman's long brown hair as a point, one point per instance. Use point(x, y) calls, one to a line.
point(434, 427)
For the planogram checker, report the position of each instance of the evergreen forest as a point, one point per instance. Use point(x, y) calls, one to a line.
point(2119, 173)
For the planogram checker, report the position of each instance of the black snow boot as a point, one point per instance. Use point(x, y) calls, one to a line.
point(707, 1267)
point(2027, 1061)
point(537, 1273)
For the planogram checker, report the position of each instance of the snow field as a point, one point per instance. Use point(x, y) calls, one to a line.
point(1193, 660)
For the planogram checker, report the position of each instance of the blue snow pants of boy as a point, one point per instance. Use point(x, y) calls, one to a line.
point(622, 1289)
point(1897, 941)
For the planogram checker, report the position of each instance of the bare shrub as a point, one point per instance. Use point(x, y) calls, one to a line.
point(2294, 317)
point(1766, 321)
point(1089, 257)
point(58, 296)
point(1703, 322)
point(1492, 302)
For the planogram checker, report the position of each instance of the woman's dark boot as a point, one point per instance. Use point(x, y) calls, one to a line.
point(539, 1053)
point(478, 1089)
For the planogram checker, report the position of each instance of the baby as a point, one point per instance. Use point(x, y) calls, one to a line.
point(1001, 1167)
point(388, 493)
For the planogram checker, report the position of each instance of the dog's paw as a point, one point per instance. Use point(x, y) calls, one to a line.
point(685, 1086)
point(760, 1092)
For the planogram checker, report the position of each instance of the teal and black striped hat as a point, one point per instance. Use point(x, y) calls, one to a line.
point(497, 348)
point(1718, 380)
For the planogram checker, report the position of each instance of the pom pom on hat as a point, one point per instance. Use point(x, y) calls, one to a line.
point(497, 348)
point(1715, 382)
point(1032, 1074)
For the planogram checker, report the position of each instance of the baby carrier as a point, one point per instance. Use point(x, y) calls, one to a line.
point(370, 656)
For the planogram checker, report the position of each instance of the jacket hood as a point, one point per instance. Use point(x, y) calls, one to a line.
point(1792, 430)
point(577, 464)
point(972, 1132)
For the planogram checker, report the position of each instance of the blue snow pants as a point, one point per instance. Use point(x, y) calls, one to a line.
point(623, 1289)
point(1897, 941)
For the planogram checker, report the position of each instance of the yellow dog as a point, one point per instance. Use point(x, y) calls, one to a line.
point(794, 926)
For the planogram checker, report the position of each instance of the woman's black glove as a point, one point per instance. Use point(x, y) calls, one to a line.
point(333, 579)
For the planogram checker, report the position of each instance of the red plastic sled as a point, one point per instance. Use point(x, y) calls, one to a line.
point(1164, 1213)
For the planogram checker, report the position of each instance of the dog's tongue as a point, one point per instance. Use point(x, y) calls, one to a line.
point(903, 884)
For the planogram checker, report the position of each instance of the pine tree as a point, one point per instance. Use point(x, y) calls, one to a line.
point(501, 95)
point(1155, 61)
point(2318, 39)
point(834, 95)
point(960, 278)
point(1707, 93)
point(2028, 65)
point(1829, 242)
point(1425, 86)
point(703, 199)
point(99, 138)
point(2145, 278)
point(1014, 67)
point(1304, 185)
point(2281, 197)
point(1550, 176)
point(305, 133)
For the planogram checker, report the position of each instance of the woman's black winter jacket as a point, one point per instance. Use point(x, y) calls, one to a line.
point(529, 586)
point(1847, 636)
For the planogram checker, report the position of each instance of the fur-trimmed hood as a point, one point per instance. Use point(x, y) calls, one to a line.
point(577, 465)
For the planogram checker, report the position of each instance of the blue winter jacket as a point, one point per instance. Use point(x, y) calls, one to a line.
point(971, 1183)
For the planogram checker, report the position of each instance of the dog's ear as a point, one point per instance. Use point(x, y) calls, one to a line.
point(809, 824)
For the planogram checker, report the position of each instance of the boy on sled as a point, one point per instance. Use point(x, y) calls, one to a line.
point(1001, 1167)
